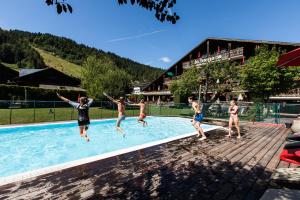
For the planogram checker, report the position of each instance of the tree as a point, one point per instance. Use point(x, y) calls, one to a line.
point(262, 78)
point(207, 76)
point(161, 7)
point(100, 75)
point(187, 84)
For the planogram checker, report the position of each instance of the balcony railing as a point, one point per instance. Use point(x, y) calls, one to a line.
point(233, 54)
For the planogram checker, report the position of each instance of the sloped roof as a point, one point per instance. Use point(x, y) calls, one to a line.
point(24, 72)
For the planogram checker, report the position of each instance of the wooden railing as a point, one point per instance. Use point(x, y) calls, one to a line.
point(233, 54)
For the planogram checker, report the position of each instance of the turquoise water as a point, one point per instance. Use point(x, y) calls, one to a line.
point(30, 147)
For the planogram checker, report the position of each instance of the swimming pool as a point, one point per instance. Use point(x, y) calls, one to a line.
point(31, 147)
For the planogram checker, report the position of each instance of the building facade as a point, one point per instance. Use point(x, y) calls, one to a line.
point(208, 51)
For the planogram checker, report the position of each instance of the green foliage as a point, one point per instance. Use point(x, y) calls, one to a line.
point(188, 82)
point(100, 75)
point(20, 53)
point(262, 78)
point(207, 76)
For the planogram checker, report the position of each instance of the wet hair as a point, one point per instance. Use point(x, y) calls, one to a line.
point(142, 101)
point(121, 99)
point(84, 100)
point(191, 97)
point(234, 101)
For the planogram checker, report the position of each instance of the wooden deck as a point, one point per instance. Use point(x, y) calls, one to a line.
point(218, 168)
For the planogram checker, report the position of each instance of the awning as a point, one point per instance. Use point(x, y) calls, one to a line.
point(291, 58)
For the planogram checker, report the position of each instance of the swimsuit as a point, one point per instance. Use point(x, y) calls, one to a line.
point(83, 112)
point(122, 117)
point(198, 117)
point(234, 115)
point(142, 116)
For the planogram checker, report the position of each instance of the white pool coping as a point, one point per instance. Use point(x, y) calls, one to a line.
point(54, 168)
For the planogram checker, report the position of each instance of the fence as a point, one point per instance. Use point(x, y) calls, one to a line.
point(47, 111)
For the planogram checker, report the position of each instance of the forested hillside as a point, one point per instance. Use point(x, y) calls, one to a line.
point(21, 48)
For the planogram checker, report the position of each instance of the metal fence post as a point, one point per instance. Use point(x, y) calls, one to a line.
point(33, 110)
point(54, 110)
point(10, 113)
point(112, 112)
point(159, 110)
point(101, 106)
point(72, 111)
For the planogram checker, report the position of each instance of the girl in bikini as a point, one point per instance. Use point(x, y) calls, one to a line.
point(233, 112)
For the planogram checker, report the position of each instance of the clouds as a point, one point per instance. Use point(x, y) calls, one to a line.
point(165, 59)
point(135, 36)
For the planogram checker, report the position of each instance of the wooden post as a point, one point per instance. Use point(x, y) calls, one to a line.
point(207, 48)
point(229, 48)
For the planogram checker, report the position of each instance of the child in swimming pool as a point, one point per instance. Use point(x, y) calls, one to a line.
point(142, 112)
point(121, 110)
point(233, 118)
point(83, 113)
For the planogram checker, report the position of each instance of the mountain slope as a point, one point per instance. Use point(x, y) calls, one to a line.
point(60, 64)
point(37, 50)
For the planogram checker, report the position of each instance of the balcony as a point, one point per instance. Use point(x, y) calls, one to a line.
point(293, 94)
point(233, 54)
point(161, 92)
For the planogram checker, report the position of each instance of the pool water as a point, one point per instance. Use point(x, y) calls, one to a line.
point(31, 147)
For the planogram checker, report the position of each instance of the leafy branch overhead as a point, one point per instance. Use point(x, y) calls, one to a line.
point(60, 6)
point(162, 8)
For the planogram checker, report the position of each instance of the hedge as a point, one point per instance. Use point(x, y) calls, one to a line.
point(7, 92)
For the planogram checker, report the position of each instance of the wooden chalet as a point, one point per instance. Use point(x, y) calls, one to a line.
point(208, 51)
point(7, 74)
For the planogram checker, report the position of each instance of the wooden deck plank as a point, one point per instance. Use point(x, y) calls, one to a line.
point(246, 174)
point(241, 152)
point(262, 182)
point(234, 147)
point(257, 169)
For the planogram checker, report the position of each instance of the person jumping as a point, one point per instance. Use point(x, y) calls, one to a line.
point(142, 115)
point(121, 110)
point(83, 113)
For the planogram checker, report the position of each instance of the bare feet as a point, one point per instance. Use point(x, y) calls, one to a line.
point(202, 138)
point(238, 137)
point(119, 129)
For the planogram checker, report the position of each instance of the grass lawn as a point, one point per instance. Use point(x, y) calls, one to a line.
point(31, 115)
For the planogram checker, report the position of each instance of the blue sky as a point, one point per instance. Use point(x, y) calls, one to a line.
point(133, 32)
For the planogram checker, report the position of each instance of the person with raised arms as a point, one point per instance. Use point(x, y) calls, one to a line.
point(121, 110)
point(83, 113)
point(142, 115)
